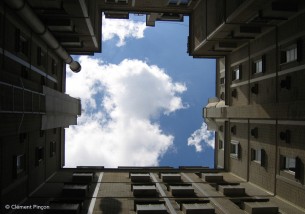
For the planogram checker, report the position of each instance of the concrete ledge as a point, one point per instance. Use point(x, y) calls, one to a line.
point(198, 208)
point(182, 190)
point(212, 177)
point(149, 190)
point(82, 177)
point(232, 190)
point(261, 208)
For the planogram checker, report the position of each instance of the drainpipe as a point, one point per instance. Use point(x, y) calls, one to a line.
point(27, 14)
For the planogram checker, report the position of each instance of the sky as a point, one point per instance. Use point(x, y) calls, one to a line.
point(142, 99)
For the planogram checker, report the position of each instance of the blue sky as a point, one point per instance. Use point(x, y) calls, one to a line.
point(142, 99)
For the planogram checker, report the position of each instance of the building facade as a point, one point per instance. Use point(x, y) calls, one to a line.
point(257, 112)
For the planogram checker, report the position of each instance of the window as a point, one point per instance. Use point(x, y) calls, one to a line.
point(291, 165)
point(220, 144)
point(21, 43)
point(292, 53)
point(19, 164)
point(233, 130)
point(40, 57)
point(254, 89)
point(24, 72)
point(254, 132)
point(54, 67)
point(236, 74)
point(289, 54)
point(41, 133)
point(285, 136)
point(258, 66)
point(39, 155)
point(259, 156)
point(52, 148)
point(22, 137)
point(43, 80)
point(235, 147)
point(222, 81)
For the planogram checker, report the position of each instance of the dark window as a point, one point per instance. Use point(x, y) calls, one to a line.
point(24, 72)
point(21, 43)
point(52, 148)
point(41, 134)
point(22, 137)
point(54, 67)
point(233, 130)
point(254, 132)
point(39, 155)
point(220, 144)
point(41, 57)
point(43, 80)
point(19, 165)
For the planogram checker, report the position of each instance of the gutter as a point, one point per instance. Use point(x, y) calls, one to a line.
point(26, 13)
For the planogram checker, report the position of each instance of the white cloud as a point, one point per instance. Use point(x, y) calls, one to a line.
point(124, 99)
point(122, 28)
point(201, 138)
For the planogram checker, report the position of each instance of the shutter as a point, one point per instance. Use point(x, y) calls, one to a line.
point(299, 50)
point(298, 170)
point(264, 67)
point(263, 158)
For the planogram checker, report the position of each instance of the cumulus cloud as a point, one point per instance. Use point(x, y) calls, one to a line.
point(119, 103)
point(201, 138)
point(122, 28)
